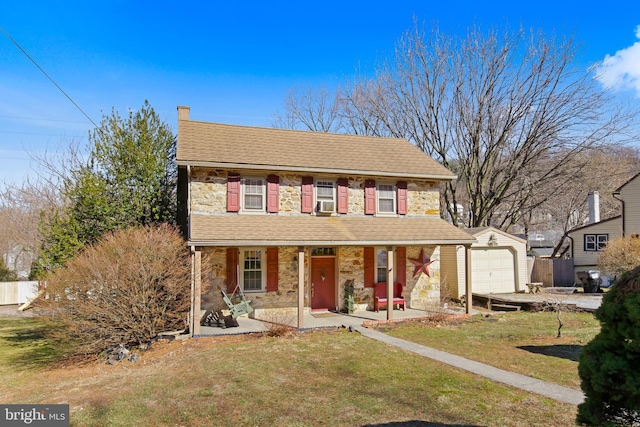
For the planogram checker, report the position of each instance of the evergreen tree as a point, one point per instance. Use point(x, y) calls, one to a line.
point(609, 363)
point(6, 275)
point(129, 179)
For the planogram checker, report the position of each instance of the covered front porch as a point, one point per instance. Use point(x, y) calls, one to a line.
point(304, 265)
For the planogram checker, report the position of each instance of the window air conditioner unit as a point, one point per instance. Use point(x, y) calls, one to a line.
point(327, 206)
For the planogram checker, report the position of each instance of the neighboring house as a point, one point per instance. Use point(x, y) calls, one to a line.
point(19, 260)
point(587, 241)
point(541, 248)
point(498, 264)
point(290, 217)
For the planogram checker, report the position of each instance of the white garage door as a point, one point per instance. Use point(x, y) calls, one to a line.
point(492, 271)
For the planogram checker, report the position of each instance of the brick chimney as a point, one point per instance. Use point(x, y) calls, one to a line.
point(594, 207)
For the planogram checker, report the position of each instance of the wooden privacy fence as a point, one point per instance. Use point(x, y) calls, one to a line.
point(553, 272)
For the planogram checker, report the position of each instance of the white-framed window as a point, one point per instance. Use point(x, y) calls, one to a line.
point(253, 270)
point(386, 199)
point(382, 265)
point(595, 242)
point(254, 194)
point(325, 196)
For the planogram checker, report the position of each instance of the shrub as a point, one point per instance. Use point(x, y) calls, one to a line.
point(621, 254)
point(6, 275)
point(127, 288)
point(609, 364)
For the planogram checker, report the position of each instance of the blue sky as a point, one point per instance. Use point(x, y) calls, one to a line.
point(235, 63)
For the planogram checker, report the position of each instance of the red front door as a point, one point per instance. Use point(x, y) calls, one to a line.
point(323, 284)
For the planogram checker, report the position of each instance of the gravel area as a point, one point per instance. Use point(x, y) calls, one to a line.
point(12, 311)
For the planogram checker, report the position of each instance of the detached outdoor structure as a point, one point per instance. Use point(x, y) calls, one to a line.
point(291, 217)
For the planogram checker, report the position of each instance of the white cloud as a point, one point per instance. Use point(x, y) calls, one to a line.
point(622, 70)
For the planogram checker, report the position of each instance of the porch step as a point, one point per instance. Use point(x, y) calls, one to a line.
point(505, 307)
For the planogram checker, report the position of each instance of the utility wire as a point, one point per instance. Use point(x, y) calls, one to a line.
point(47, 75)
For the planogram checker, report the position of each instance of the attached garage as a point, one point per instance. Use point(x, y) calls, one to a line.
point(498, 264)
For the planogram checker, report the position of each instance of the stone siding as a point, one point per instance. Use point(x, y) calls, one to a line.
point(421, 292)
point(216, 280)
point(351, 267)
point(208, 193)
point(290, 194)
point(356, 196)
point(423, 199)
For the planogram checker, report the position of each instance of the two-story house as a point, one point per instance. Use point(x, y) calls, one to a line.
point(289, 217)
point(587, 241)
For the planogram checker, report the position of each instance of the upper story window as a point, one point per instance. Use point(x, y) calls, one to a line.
point(325, 196)
point(595, 242)
point(386, 199)
point(253, 194)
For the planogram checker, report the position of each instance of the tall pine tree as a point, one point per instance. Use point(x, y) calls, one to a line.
point(128, 179)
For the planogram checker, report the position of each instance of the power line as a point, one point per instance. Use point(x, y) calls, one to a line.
point(39, 119)
point(47, 75)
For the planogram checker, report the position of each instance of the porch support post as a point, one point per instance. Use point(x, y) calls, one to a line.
point(196, 272)
point(300, 287)
point(390, 275)
point(468, 292)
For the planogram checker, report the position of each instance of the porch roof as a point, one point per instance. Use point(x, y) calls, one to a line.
point(267, 230)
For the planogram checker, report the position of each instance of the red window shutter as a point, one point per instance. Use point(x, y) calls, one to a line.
point(402, 197)
point(401, 268)
point(232, 269)
point(343, 195)
point(369, 267)
point(272, 269)
point(369, 197)
point(233, 193)
point(307, 194)
point(273, 193)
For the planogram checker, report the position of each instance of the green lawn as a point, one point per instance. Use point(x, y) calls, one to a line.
point(326, 377)
point(522, 342)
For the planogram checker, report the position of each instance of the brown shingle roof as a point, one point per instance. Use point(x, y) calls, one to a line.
point(266, 230)
point(221, 145)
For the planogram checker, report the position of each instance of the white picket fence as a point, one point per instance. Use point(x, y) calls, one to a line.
point(17, 292)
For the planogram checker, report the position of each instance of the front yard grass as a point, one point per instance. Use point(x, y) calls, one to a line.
point(522, 342)
point(329, 377)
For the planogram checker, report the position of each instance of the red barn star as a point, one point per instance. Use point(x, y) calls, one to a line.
point(422, 264)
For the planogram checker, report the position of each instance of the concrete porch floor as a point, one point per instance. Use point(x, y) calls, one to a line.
point(315, 320)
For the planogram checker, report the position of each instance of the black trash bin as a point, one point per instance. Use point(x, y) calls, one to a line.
point(590, 280)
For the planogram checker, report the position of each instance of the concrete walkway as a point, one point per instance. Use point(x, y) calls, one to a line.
point(553, 391)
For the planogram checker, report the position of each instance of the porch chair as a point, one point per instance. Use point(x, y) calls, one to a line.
point(380, 297)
